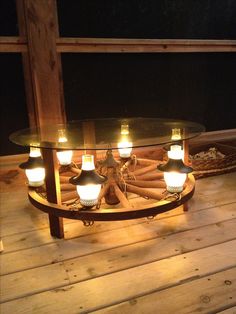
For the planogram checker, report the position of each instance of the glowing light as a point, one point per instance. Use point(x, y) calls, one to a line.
point(35, 176)
point(88, 162)
point(125, 145)
point(34, 169)
point(88, 183)
point(176, 134)
point(64, 156)
point(176, 152)
point(35, 152)
point(88, 194)
point(174, 181)
point(175, 171)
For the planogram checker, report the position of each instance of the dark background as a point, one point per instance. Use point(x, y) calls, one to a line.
point(196, 86)
point(205, 19)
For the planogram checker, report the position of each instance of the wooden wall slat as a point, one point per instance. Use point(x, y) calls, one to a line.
point(123, 45)
point(143, 45)
point(13, 44)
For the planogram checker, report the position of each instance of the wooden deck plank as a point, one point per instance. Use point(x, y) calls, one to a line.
point(25, 283)
point(41, 236)
point(131, 283)
point(206, 195)
point(102, 263)
point(11, 178)
point(90, 269)
point(231, 310)
point(149, 251)
point(30, 219)
point(29, 258)
point(73, 229)
point(205, 295)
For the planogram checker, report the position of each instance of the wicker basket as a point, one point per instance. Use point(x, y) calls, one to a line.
point(204, 168)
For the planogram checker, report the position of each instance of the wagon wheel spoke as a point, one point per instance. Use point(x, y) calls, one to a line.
point(147, 184)
point(146, 193)
point(121, 196)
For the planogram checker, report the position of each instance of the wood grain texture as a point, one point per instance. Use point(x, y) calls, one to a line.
point(131, 283)
point(83, 268)
point(16, 261)
point(231, 310)
point(123, 45)
point(200, 295)
point(53, 190)
point(95, 45)
point(42, 30)
point(179, 262)
point(13, 44)
point(29, 88)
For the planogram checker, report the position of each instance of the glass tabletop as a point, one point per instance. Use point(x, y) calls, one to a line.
point(101, 134)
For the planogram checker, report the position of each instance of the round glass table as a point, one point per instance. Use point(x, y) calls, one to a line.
point(134, 187)
point(106, 133)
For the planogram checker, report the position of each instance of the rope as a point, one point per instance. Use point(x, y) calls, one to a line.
point(88, 223)
point(75, 165)
point(171, 196)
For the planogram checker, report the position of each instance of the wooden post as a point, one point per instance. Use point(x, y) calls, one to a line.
point(186, 161)
point(42, 69)
point(89, 137)
point(38, 22)
point(29, 91)
point(52, 181)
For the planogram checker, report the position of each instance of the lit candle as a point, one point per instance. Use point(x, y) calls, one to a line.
point(175, 171)
point(176, 152)
point(88, 183)
point(174, 181)
point(34, 168)
point(176, 134)
point(125, 145)
point(64, 156)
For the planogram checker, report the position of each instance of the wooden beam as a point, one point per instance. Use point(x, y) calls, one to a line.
point(42, 30)
point(29, 90)
point(13, 44)
point(77, 45)
point(96, 45)
point(42, 68)
point(53, 190)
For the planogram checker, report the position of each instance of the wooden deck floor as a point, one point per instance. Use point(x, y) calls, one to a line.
point(177, 263)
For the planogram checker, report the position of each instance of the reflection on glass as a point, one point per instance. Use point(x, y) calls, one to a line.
point(176, 134)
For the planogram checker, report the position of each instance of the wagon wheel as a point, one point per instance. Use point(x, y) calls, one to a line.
point(135, 175)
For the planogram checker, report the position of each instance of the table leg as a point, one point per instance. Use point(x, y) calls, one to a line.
point(56, 226)
point(52, 182)
point(186, 161)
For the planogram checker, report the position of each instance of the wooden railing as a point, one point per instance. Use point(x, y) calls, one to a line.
point(109, 45)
